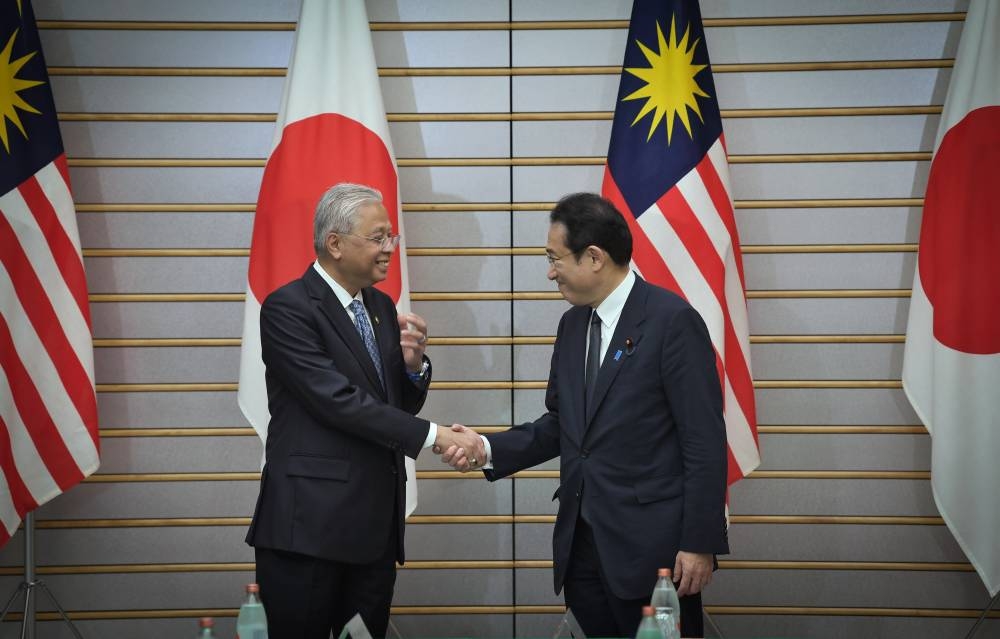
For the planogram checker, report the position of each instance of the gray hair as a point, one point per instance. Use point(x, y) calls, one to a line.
point(337, 209)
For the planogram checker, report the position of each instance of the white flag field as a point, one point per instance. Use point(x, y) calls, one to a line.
point(331, 128)
point(951, 363)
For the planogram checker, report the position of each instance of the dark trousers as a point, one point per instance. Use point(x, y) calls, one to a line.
point(307, 597)
point(599, 611)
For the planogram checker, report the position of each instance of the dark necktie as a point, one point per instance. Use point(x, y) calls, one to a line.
point(367, 336)
point(593, 357)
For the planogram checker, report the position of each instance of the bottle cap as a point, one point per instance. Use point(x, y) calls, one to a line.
point(663, 572)
point(253, 588)
point(648, 611)
point(205, 622)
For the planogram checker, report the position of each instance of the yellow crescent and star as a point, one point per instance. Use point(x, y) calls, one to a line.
point(670, 88)
point(10, 85)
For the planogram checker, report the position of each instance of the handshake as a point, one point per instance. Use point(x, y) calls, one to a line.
point(460, 447)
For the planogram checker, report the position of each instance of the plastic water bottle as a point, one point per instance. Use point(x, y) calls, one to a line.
point(205, 628)
point(648, 627)
point(251, 623)
point(668, 608)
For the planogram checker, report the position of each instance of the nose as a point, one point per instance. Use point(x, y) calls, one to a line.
point(552, 272)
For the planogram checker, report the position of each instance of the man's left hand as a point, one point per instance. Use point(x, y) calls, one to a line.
point(692, 572)
point(413, 339)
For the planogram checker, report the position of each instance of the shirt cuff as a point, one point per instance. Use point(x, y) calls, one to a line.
point(431, 435)
point(489, 454)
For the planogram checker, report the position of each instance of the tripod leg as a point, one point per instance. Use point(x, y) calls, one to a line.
point(986, 611)
point(715, 628)
point(10, 602)
point(48, 593)
point(28, 610)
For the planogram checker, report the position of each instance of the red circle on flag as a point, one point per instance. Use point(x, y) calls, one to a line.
point(960, 235)
point(314, 154)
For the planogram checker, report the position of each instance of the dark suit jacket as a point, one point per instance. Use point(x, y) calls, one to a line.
point(333, 482)
point(647, 463)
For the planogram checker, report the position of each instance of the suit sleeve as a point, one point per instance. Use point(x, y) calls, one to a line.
point(532, 443)
point(295, 354)
point(691, 383)
point(413, 393)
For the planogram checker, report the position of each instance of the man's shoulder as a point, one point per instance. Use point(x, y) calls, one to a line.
point(661, 298)
point(290, 291)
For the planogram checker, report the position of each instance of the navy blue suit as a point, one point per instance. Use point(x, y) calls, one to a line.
point(328, 526)
point(646, 464)
point(336, 438)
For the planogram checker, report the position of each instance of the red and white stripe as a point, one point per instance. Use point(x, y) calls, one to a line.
point(687, 242)
point(48, 407)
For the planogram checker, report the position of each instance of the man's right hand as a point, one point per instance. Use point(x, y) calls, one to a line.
point(460, 447)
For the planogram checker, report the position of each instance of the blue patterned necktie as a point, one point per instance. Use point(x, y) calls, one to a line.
point(367, 336)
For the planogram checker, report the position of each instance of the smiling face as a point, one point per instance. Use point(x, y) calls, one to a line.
point(576, 278)
point(358, 260)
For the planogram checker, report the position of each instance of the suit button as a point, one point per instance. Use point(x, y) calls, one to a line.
point(584, 453)
point(578, 495)
point(393, 470)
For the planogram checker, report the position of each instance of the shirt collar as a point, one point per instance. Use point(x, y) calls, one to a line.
point(612, 306)
point(341, 293)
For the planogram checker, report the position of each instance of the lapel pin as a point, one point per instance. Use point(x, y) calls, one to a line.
point(629, 346)
point(618, 355)
point(376, 319)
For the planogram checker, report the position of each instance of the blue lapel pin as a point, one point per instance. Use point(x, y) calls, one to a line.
point(618, 355)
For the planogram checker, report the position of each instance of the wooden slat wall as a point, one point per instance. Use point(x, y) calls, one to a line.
point(496, 109)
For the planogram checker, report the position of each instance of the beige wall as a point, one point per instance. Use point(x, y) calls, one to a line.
point(831, 158)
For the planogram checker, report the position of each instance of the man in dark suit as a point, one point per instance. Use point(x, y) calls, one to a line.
point(345, 377)
point(635, 416)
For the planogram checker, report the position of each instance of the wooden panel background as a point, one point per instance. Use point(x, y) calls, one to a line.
point(497, 109)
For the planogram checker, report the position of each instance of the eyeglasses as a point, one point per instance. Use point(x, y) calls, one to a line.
point(385, 242)
point(552, 259)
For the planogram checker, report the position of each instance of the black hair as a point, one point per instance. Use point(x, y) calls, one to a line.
point(592, 219)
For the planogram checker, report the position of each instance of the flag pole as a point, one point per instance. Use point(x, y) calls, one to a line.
point(29, 586)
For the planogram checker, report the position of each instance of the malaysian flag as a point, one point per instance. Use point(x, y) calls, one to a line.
point(668, 174)
point(48, 408)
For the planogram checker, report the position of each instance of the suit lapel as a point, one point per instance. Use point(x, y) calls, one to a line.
point(627, 334)
point(342, 324)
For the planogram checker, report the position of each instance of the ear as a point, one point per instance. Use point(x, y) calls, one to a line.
point(332, 245)
point(596, 256)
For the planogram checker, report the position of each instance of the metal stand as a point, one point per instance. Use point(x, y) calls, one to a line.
point(30, 585)
point(986, 611)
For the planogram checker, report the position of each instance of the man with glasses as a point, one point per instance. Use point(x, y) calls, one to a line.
point(345, 377)
point(635, 416)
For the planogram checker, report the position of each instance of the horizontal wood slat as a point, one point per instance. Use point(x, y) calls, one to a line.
point(516, 116)
point(525, 25)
